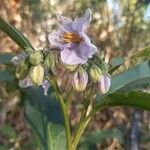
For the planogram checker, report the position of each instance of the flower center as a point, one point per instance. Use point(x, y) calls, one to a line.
point(70, 37)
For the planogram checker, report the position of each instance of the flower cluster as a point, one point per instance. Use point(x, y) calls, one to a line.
point(76, 53)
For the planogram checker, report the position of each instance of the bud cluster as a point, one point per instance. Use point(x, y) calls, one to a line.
point(31, 66)
point(92, 72)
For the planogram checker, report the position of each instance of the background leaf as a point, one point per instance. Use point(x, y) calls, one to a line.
point(6, 75)
point(5, 58)
point(99, 137)
point(8, 131)
point(45, 117)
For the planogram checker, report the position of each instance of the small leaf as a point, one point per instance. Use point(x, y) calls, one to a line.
point(115, 63)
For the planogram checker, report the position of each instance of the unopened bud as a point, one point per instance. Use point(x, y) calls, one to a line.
point(21, 70)
point(70, 67)
point(104, 84)
point(95, 73)
point(37, 74)
point(50, 60)
point(36, 58)
point(80, 80)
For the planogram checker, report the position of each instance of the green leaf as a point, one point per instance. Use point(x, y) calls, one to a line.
point(139, 74)
point(56, 137)
point(3, 147)
point(45, 117)
point(99, 136)
point(135, 59)
point(5, 58)
point(6, 75)
point(8, 131)
point(133, 99)
point(115, 63)
point(15, 35)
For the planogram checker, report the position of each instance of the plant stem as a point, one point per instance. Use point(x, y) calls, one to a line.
point(84, 119)
point(64, 111)
point(81, 127)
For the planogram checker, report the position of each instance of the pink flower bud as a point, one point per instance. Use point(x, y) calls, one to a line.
point(104, 84)
point(80, 80)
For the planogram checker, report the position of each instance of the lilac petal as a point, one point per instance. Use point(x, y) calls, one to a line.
point(63, 19)
point(65, 24)
point(26, 82)
point(45, 86)
point(86, 50)
point(104, 84)
point(82, 23)
point(17, 59)
point(85, 37)
point(70, 57)
point(54, 39)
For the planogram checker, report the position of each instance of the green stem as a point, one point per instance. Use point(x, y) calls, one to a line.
point(84, 119)
point(81, 127)
point(64, 111)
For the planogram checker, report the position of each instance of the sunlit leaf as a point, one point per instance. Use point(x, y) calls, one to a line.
point(134, 60)
point(139, 74)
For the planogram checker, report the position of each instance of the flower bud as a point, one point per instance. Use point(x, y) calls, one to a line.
point(35, 58)
point(70, 67)
point(21, 70)
point(37, 74)
point(95, 73)
point(104, 84)
point(50, 60)
point(80, 80)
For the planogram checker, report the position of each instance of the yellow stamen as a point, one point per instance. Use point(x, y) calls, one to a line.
point(70, 37)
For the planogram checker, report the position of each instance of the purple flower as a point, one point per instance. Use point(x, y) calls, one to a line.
point(80, 80)
point(104, 84)
point(71, 38)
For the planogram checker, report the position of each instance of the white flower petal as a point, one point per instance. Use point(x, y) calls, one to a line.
point(17, 59)
point(26, 82)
